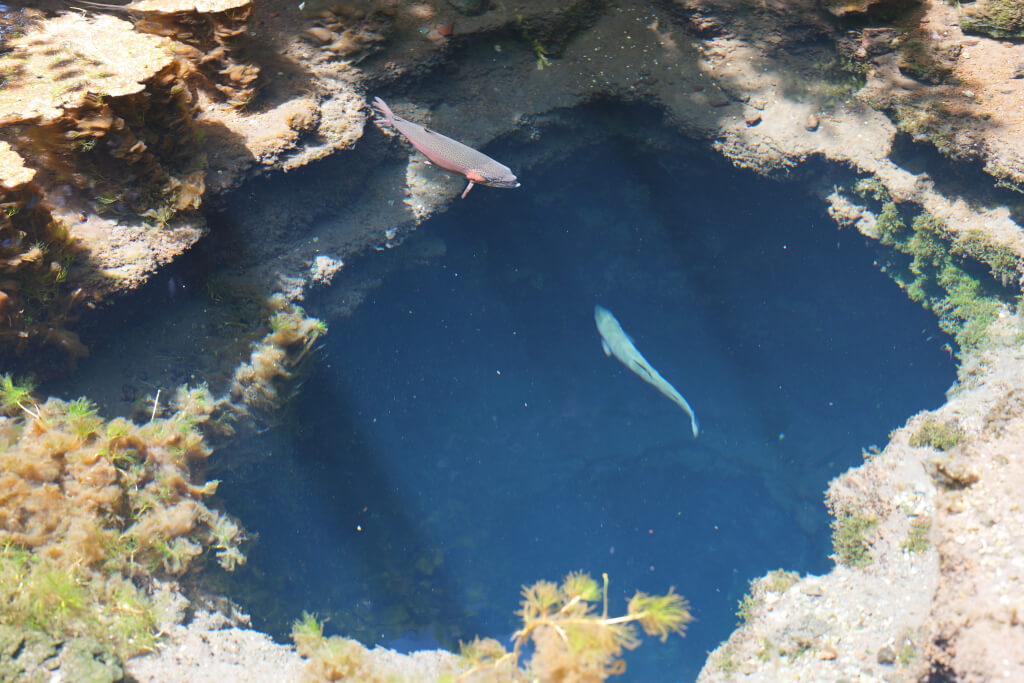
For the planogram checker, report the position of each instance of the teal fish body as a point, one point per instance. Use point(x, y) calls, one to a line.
point(616, 342)
point(449, 154)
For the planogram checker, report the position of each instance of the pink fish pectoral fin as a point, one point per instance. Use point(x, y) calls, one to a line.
point(474, 176)
point(468, 188)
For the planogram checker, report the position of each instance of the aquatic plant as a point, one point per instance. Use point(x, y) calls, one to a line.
point(93, 509)
point(938, 277)
point(927, 60)
point(50, 610)
point(850, 539)
point(108, 493)
point(259, 384)
point(935, 434)
point(14, 394)
point(836, 79)
point(917, 539)
point(36, 253)
point(1002, 261)
point(570, 641)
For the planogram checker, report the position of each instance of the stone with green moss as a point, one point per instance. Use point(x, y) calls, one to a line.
point(935, 434)
point(995, 18)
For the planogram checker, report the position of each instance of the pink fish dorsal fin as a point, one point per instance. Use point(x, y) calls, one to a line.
point(432, 132)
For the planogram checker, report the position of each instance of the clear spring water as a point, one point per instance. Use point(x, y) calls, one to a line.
point(464, 434)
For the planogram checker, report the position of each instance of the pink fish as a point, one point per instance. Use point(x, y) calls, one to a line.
point(449, 154)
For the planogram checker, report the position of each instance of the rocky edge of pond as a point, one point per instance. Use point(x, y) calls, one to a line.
point(821, 92)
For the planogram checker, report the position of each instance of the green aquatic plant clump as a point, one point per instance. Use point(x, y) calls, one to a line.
point(935, 434)
point(110, 494)
point(938, 276)
point(260, 385)
point(917, 540)
point(95, 621)
point(851, 543)
point(572, 641)
point(93, 510)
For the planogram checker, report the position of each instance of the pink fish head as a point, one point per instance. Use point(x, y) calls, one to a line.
point(494, 177)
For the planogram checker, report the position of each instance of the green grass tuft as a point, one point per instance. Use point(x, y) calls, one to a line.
point(850, 539)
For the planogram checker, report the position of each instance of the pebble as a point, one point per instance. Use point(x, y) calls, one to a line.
point(811, 123)
point(752, 117)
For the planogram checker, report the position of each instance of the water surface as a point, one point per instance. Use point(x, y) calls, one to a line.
point(466, 435)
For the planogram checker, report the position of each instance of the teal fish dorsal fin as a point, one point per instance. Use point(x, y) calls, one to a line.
point(604, 345)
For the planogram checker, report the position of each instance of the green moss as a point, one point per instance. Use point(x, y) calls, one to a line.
point(937, 274)
point(928, 120)
point(14, 394)
point(98, 619)
point(777, 581)
point(748, 606)
point(850, 542)
point(871, 187)
point(725, 659)
point(995, 18)
point(934, 434)
point(1002, 261)
point(917, 539)
point(889, 226)
point(907, 653)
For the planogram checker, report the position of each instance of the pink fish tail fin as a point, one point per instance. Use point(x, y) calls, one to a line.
point(384, 110)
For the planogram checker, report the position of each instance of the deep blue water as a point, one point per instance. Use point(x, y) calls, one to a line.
point(465, 435)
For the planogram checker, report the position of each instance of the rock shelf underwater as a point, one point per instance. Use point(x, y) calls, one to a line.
point(441, 426)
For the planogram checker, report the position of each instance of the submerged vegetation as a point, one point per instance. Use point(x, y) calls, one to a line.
point(92, 509)
point(260, 385)
point(568, 639)
point(941, 272)
point(938, 435)
point(851, 539)
point(917, 540)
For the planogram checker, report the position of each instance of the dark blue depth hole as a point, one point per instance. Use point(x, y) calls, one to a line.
point(466, 435)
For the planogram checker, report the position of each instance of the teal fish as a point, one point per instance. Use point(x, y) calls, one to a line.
point(616, 342)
